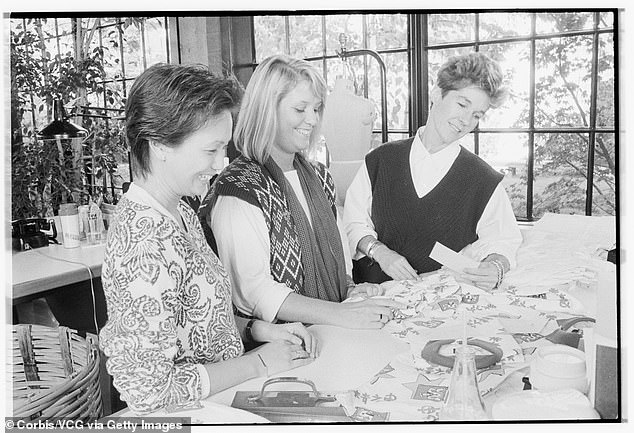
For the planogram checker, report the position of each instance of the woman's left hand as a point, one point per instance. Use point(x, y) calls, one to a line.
point(295, 333)
point(485, 276)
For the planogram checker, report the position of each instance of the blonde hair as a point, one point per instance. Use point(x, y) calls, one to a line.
point(272, 80)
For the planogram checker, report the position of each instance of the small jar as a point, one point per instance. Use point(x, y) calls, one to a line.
point(69, 217)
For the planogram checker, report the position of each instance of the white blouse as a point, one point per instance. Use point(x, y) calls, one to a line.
point(497, 228)
point(244, 248)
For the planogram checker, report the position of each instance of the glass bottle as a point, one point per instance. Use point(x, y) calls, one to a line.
point(464, 402)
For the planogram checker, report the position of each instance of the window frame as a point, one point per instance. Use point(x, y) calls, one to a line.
point(419, 48)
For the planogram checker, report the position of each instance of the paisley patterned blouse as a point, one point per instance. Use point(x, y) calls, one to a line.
point(169, 305)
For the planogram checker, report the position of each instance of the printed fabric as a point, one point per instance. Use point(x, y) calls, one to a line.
point(169, 308)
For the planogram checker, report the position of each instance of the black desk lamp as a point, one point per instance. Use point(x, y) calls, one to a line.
point(61, 127)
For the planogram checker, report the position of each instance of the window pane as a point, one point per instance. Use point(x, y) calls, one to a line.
point(108, 21)
point(350, 25)
point(66, 45)
point(515, 63)
point(606, 19)
point(508, 153)
point(269, 36)
point(305, 36)
point(132, 50)
point(603, 193)
point(65, 26)
point(155, 41)
point(560, 173)
point(562, 81)
point(501, 25)
point(563, 22)
point(605, 85)
point(451, 28)
point(397, 89)
point(95, 99)
point(387, 31)
point(114, 93)
point(112, 53)
point(48, 27)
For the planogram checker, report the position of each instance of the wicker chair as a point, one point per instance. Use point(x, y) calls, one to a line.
point(55, 374)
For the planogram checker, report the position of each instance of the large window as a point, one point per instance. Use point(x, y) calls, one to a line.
point(89, 64)
point(317, 38)
point(554, 139)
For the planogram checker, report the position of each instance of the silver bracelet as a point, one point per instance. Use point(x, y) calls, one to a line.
point(373, 245)
point(264, 364)
point(500, 272)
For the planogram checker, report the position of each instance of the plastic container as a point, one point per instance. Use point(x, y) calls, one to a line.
point(69, 217)
point(559, 367)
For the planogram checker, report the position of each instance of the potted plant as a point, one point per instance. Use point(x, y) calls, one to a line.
point(45, 173)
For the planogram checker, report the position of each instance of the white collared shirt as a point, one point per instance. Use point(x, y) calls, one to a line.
point(244, 248)
point(497, 228)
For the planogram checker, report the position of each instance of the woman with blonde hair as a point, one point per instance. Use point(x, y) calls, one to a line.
point(271, 214)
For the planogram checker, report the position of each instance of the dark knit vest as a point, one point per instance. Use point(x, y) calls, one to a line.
point(249, 181)
point(410, 225)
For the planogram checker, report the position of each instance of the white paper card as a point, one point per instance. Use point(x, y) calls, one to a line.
point(451, 259)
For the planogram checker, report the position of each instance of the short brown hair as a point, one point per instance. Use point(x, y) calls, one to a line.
point(169, 102)
point(473, 69)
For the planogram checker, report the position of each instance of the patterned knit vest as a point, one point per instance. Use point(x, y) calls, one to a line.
point(449, 213)
point(249, 181)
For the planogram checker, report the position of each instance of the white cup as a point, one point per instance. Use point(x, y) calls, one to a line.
point(69, 217)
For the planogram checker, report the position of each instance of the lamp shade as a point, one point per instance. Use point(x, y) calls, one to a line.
point(61, 127)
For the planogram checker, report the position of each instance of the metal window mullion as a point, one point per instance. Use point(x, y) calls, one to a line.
point(476, 46)
point(593, 114)
point(143, 45)
point(324, 47)
point(121, 52)
point(364, 38)
point(530, 174)
point(532, 36)
point(424, 82)
point(59, 48)
point(287, 35)
point(414, 55)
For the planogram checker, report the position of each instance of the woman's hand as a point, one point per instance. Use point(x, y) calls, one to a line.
point(294, 333)
point(485, 276)
point(394, 264)
point(366, 290)
point(367, 314)
point(278, 356)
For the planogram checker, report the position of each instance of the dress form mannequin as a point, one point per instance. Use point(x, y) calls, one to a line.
point(347, 123)
point(347, 128)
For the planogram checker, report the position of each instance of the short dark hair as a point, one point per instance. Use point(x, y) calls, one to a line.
point(169, 102)
point(473, 69)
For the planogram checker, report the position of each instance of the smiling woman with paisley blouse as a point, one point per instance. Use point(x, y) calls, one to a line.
point(171, 336)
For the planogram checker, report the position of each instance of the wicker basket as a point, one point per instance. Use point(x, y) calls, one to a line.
point(55, 374)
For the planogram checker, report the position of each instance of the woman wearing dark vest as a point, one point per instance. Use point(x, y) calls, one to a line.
point(271, 214)
point(412, 193)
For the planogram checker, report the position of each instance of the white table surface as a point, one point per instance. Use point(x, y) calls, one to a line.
point(41, 269)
